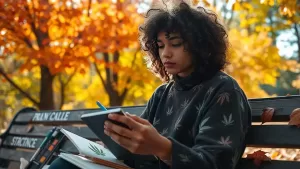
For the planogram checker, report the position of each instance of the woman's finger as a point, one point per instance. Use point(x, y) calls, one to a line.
point(111, 127)
point(127, 120)
point(138, 119)
point(123, 141)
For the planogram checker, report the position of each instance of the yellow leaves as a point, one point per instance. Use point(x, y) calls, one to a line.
point(296, 83)
point(138, 93)
point(291, 65)
point(267, 2)
point(253, 61)
point(55, 31)
point(286, 7)
point(61, 18)
point(206, 3)
point(110, 12)
point(236, 6)
point(92, 87)
point(120, 15)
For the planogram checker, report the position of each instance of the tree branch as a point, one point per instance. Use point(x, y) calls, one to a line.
point(107, 70)
point(115, 61)
point(298, 39)
point(21, 37)
point(228, 23)
point(129, 78)
point(62, 92)
point(89, 7)
point(63, 86)
point(18, 88)
point(99, 74)
point(37, 33)
point(273, 34)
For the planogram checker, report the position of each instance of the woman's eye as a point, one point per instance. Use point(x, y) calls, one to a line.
point(177, 44)
point(160, 46)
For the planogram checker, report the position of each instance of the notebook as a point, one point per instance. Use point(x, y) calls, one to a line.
point(95, 121)
point(91, 155)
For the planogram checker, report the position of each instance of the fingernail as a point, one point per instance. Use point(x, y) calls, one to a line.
point(106, 132)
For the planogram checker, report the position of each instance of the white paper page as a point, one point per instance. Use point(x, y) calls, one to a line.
point(82, 162)
point(90, 148)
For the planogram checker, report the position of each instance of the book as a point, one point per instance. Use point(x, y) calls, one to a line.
point(91, 155)
point(95, 121)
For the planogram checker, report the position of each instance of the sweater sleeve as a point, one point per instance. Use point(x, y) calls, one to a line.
point(151, 106)
point(148, 114)
point(219, 142)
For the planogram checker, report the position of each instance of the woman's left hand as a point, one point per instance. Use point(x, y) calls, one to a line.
point(141, 138)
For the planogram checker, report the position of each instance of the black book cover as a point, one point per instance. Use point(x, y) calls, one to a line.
point(95, 121)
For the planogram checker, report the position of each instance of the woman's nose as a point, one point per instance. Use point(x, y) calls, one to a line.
point(167, 52)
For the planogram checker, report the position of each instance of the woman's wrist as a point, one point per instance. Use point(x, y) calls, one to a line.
point(165, 149)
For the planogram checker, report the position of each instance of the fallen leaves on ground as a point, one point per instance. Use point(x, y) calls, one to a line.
point(258, 157)
point(285, 154)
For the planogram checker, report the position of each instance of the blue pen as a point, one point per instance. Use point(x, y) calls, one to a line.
point(101, 106)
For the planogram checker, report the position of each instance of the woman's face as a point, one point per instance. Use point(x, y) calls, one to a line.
point(175, 59)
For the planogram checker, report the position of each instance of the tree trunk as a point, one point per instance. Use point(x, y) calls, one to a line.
point(46, 91)
point(115, 99)
point(298, 44)
point(297, 33)
point(273, 33)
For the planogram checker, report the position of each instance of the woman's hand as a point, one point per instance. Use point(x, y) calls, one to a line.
point(141, 138)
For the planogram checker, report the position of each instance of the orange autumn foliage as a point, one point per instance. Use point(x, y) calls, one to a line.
point(64, 34)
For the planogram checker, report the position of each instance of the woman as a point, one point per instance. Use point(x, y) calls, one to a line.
point(200, 116)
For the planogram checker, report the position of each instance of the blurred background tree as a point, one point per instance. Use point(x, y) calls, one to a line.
point(66, 54)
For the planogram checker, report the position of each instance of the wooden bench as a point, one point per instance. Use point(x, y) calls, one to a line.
point(28, 128)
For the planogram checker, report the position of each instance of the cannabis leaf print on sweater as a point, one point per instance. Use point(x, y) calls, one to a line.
point(219, 132)
point(227, 120)
point(202, 127)
point(206, 123)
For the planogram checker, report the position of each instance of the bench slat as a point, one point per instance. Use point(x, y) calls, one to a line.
point(274, 164)
point(36, 130)
point(71, 116)
point(260, 103)
point(65, 116)
point(14, 165)
point(14, 154)
point(270, 136)
point(284, 106)
point(281, 114)
point(23, 142)
point(28, 142)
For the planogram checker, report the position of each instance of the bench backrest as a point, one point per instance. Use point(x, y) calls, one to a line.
point(28, 128)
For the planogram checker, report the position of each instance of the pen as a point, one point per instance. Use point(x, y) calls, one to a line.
point(101, 106)
point(49, 134)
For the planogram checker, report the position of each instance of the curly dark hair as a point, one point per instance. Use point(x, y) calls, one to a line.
point(203, 35)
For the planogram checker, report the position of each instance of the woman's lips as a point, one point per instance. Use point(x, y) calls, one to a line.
point(169, 64)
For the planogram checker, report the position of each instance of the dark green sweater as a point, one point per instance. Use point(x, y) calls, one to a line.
point(205, 119)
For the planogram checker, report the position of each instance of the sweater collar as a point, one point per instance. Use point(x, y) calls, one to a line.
point(188, 82)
